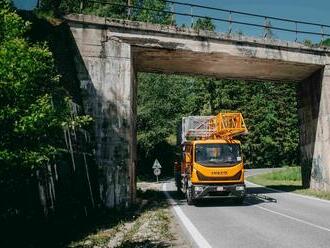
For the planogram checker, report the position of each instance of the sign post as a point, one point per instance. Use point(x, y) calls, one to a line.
point(156, 166)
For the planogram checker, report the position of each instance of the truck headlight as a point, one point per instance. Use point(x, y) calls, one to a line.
point(240, 188)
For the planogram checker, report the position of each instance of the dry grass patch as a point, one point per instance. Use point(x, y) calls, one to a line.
point(148, 226)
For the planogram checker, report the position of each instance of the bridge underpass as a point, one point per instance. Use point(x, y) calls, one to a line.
point(111, 52)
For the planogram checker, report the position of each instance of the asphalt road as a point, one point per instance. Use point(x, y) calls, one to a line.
point(266, 219)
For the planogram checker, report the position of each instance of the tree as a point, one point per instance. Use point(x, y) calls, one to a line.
point(308, 43)
point(152, 11)
point(204, 24)
point(145, 10)
point(325, 42)
point(34, 107)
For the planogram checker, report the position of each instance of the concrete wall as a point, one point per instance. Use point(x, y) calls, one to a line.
point(308, 112)
point(105, 71)
point(314, 113)
point(109, 52)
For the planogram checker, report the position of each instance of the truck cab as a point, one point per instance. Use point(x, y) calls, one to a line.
point(214, 169)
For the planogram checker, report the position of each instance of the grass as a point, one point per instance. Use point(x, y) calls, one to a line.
point(287, 179)
point(288, 174)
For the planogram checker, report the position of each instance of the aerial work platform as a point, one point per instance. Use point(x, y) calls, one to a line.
point(223, 125)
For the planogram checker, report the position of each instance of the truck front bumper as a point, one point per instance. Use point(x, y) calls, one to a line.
point(207, 191)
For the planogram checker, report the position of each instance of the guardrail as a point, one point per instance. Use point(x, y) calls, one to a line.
point(316, 31)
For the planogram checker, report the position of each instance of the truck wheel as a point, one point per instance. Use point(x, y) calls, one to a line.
point(190, 198)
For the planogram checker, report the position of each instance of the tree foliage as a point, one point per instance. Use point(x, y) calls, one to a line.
point(204, 24)
point(145, 10)
point(269, 108)
point(161, 103)
point(34, 108)
point(325, 42)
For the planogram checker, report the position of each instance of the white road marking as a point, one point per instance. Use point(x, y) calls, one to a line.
point(290, 193)
point(288, 216)
point(295, 219)
point(195, 234)
point(201, 241)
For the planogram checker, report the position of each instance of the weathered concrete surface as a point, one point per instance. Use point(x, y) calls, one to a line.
point(320, 178)
point(314, 113)
point(308, 111)
point(168, 49)
point(108, 80)
point(111, 51)
point(315, 129)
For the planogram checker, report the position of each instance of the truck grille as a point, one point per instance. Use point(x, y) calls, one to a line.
point(201, 177)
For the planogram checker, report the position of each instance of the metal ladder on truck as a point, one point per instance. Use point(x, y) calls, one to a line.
point(223, 125)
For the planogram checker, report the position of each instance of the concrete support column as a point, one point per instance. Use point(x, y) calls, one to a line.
point(106, 73)
point(314, 113)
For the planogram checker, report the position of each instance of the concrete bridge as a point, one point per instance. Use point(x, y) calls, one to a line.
point(111, 52)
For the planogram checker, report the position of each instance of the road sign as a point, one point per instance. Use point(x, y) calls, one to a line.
point(157, 172)
point(156, 164)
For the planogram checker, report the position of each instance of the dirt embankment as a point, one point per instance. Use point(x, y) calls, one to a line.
point(150, 224)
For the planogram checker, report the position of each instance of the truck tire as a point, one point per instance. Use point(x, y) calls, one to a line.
point(190, 198)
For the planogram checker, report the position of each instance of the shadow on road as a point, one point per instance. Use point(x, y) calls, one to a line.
point(285, 188)
point(255, 195)
point(270, 189)
point(250, 199)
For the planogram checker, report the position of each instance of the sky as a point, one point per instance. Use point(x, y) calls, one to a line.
point(303, 10)
point(25, 4)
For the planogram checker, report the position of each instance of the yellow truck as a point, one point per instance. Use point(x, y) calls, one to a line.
point(211, 164)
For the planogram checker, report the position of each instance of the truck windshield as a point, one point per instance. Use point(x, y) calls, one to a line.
point(218, 154)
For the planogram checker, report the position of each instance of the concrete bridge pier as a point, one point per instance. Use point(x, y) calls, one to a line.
point(107, 78)
point(314, 113)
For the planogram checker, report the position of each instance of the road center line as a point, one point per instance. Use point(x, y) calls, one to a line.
point(195, 234)
point(295, 219)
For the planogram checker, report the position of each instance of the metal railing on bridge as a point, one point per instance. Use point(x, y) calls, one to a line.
point(236, 22)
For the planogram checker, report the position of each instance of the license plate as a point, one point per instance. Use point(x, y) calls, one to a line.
point(220, 188)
